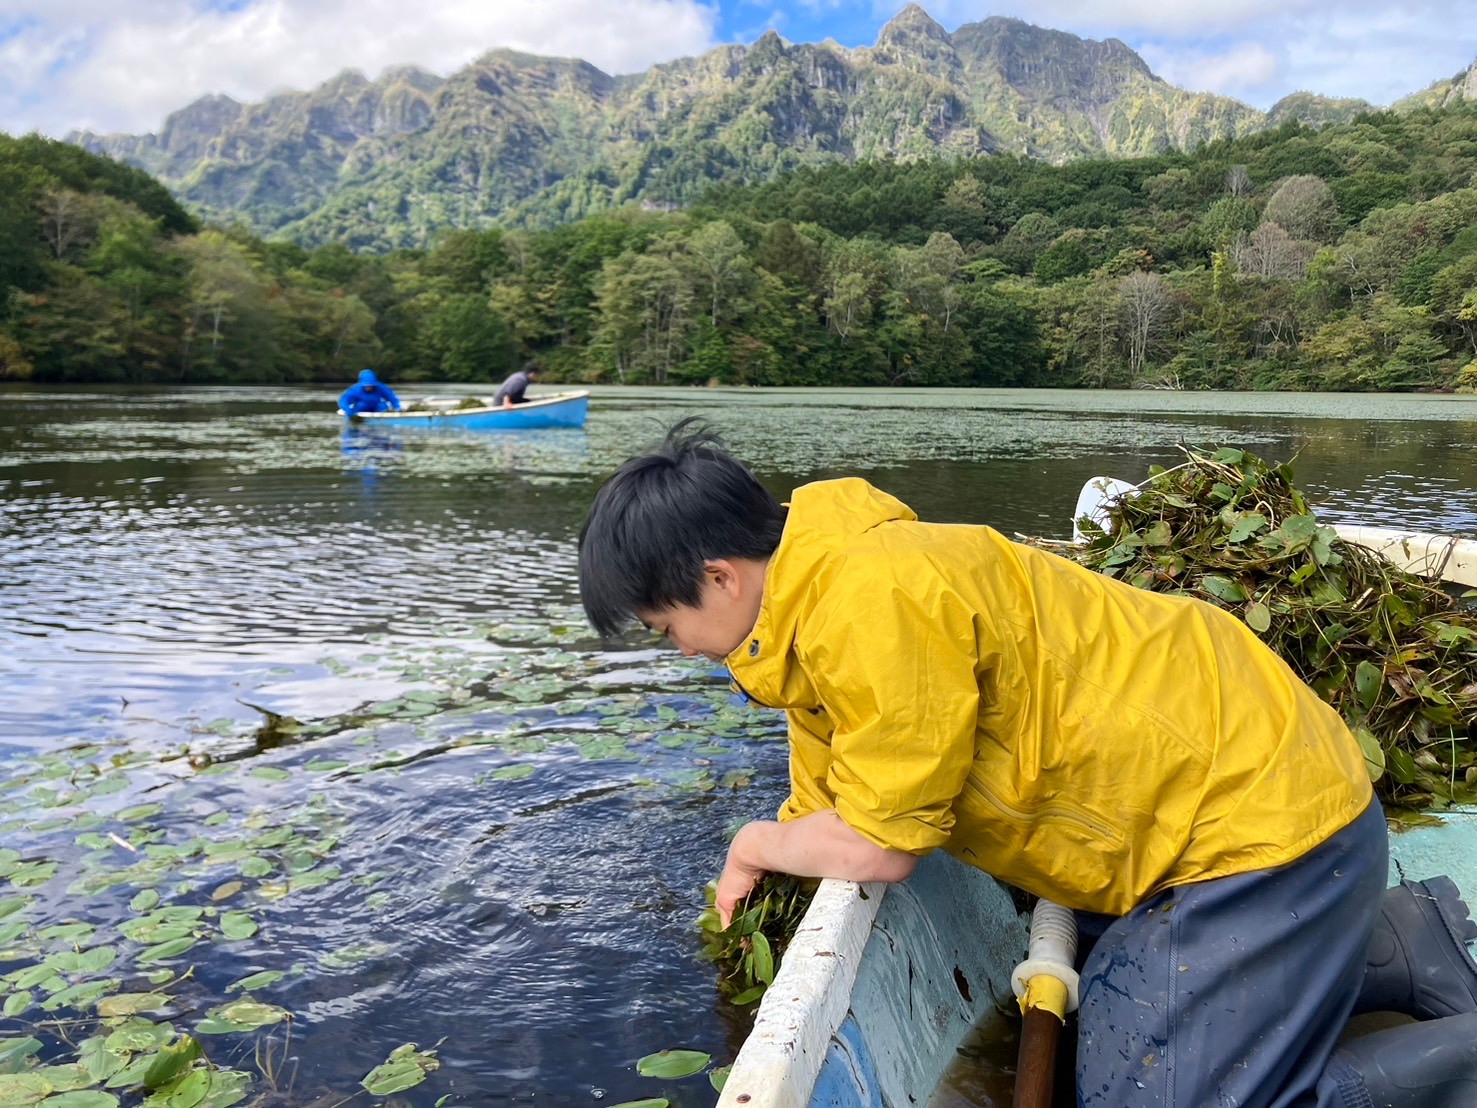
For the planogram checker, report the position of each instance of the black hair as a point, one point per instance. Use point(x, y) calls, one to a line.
point(660, 516)
point(531, 367)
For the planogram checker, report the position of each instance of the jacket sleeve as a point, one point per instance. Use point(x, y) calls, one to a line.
point(390, 396)
point(896, 670)
point(348, 400)
point(810, 765)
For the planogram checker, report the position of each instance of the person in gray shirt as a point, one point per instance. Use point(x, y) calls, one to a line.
point(511, 391)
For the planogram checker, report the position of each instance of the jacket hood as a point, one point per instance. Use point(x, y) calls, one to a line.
point(824, 518)
point(367, 378)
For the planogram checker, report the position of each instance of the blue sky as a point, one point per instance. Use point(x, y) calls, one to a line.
point(123, 65)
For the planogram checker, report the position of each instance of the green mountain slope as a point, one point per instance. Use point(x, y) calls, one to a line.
point(518, 139)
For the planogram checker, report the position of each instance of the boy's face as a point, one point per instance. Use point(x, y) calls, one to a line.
point(727, 609)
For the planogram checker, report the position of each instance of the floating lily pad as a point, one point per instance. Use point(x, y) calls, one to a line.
point(128, 1004)
point(139, 812)
point(17, 1002)
point(256, 981)
point(173, 1060)
point(673, 1063)
point(241, 1015)
point(238, 925)
point(405, 1068)
point(85, 1098)
point(164, 951)
point(145, 900)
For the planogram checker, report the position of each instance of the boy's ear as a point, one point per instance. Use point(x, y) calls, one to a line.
point(724, 574)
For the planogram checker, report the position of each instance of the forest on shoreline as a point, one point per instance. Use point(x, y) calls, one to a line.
point(1343, 258)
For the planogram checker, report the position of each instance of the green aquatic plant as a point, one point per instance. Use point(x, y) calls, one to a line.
point(1394, 653)
point(748, 951)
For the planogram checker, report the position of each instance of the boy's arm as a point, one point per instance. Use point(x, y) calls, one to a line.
point(817, 845)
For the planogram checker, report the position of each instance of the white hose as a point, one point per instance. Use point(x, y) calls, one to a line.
point(1052, 950)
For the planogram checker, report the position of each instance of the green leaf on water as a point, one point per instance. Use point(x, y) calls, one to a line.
point(84, 1098)
point(85, 962)
point(22, 1088)
point(143, 901)
point(404, 1069)
point(748, 996)
point(186, 1090)
point(718, 1077)
point(171, 1061)
point(249, 1013)
point(255, 867)
point(271, 773)
point(129, 1004)
point(79, 996)
point(649, 1102)
point(227, 1087)
point(512, 773)
point(139, 812)
point(673, 1063)
point(164, 951)
point(15, 1051)
point(11, 905)
point(324, 765)
point(17, 1002)
point(138, 1034)
point(238, 925)
point(65, 1078)
point(256, 981)
point(30, 874)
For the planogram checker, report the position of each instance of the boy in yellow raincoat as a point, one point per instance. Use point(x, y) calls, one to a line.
point(1138, 756)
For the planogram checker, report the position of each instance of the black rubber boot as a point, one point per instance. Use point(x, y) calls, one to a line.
point(1420, 1065)
point(1418, 962)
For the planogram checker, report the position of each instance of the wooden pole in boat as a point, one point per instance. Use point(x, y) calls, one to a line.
point(1046, 985)
point(1035, 1068)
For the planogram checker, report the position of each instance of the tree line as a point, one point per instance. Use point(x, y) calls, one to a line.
point(1340, 258)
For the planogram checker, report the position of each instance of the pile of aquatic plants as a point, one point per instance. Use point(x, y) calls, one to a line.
point(749, 949)
point(1393, 653)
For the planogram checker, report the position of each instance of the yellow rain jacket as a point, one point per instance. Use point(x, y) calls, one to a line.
point(1085, 740)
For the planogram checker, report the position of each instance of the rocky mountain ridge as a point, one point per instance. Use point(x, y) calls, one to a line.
point(517, 138)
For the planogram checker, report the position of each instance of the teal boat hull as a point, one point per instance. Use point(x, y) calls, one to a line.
point(539, 413)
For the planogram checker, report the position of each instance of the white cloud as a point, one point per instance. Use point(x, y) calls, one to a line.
point(1243, 70)
point(110, 65)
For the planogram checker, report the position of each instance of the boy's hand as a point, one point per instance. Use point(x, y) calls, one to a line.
point(817, 845)
point(740, 874)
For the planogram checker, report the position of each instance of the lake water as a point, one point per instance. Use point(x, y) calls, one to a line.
point(335, 686)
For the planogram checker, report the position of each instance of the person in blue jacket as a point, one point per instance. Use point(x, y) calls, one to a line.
point(369, 395)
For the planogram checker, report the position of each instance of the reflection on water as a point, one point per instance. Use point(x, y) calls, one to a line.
point(225, 604)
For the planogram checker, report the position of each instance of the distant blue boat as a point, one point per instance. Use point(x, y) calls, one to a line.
point(560, 409)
